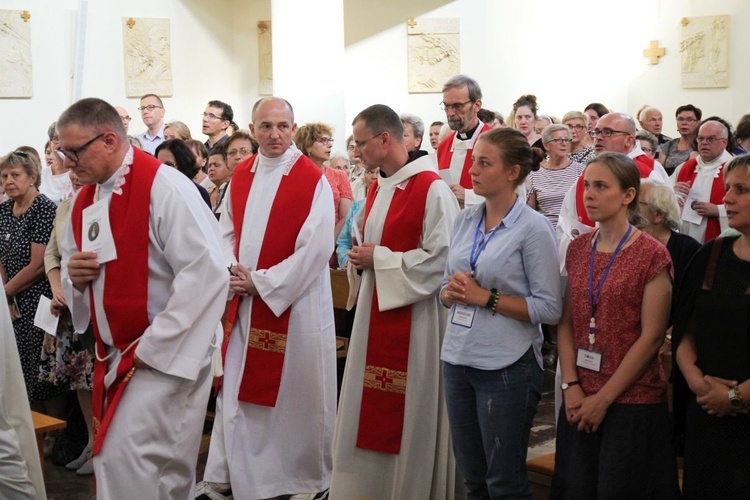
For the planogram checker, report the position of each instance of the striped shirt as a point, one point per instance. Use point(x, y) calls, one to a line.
point(550, 187)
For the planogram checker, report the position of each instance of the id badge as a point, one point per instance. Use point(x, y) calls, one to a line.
point(463, 316)
point(589, 359)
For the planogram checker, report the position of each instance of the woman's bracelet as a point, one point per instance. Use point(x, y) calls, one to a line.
point(492, 301)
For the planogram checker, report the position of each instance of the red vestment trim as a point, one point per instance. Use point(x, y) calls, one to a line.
point(290, 209)
point(641, 161)
point(125, 297)
point(381, 420)
point(688, 173)
point(445, 156)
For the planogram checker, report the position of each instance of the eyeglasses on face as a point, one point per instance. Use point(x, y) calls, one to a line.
point(712, 139)
point(361, 144)
point(577, 128)
point(561, 141)
point(325, 140)
point(72, 154)
point(125, 119)
point(607, 132)
point(456, 107)
point(243, 151)
point(210, 116)
point(150, 107)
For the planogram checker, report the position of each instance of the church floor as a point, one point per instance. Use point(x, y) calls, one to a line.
point(63, 484)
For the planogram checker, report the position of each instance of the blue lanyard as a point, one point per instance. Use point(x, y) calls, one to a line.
point(594, 294)
point(476, 250)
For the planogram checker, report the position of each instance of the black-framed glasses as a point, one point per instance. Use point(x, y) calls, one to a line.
point(454, 107)
point(150, 107)
point(72, 154)
point(577, 128)
point(607, 132)
point(361, 144)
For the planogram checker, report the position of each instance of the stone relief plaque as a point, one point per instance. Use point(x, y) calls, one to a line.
point(147, 56)
point(433, 53)
point(265, 59)
point(15, 54)
point(704, 45)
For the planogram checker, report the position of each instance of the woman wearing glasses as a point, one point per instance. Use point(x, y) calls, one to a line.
point(548, 185)
point(582, 144)
point(315, 141)
point(677, 151)
point(25, 227)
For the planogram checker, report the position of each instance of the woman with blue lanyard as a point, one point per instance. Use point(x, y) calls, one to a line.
point(502, 282)
point(614, 431)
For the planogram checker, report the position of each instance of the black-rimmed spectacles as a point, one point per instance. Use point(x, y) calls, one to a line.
point(72, 154)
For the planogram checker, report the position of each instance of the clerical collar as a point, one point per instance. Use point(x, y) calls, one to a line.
point(465, 136)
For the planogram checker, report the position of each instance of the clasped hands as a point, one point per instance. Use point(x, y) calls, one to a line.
point(464, 290)
point(714, 396)
point(585, 412)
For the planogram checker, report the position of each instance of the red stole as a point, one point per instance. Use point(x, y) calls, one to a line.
point(381, 419)
point(445, 156)
point(125, 297)
point(266, 346)
point(644, 167)
point(688, 173)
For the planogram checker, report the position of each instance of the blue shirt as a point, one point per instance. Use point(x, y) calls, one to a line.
point(344, 241)
point(520, 260)
point(151, 143)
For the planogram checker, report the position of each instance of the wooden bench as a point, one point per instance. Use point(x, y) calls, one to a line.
point(540, 472)
point(42, 425)
point(340, 292)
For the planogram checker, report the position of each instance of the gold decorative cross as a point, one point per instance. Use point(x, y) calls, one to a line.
point(130, 23)
point(25, 16)
point(411, 22)
point(653, 52)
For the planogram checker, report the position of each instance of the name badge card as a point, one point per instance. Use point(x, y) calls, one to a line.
point(463, 315)
point(589, 359)
point(97, 233)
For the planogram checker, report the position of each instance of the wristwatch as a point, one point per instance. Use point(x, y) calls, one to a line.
point(735, 399)
point(567, 385)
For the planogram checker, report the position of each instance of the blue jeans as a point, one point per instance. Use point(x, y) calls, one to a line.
point(490, 414)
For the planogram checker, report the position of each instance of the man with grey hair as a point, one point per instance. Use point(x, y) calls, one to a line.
point(699, 183)
point(413, 134)
point(152, 373)
point(651, 120)
point(462, 100)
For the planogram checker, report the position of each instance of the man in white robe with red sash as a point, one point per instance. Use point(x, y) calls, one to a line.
point(462, 100)
point(392, 438)
point(704, 176)
point(153, 344)
point(277, 404)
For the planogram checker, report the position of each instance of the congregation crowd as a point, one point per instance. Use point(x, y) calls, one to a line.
point(592, 244)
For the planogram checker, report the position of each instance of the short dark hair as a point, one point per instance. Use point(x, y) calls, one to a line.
point(486, 116)
point(689, 107)
point(743, 128)
point(150, 95)
point(183, 156)
point(240, 134)
point(226, 110)
point(94, 114)
point(218, 149)
point(380, 118)
point(600, 108)
point(437, 123)
point(526, 100)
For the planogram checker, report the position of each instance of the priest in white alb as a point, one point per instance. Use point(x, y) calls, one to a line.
point(277, 404)
point(136, 283)
point(392, 438)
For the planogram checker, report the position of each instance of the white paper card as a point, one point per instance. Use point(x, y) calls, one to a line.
point(97, 233)
point(463, 315)
point(589, 359)
point(445, 174)
point(688, 212)
point(356, 233)
point(43, 318)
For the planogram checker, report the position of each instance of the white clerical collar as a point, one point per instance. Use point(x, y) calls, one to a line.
point(117, 180)
point(466, 143)
point(288, 158)
point(722, 158)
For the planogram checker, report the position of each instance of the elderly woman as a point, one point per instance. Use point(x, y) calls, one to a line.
point(177, 130)
point(648, 143)
point(413, 134)
point(315, 140)
point(25, 227)
point(501, 281)
point(75, 354)
point(176, 154)
point(55, 180)
point(677, 151)
point(582, 144)
point(524, 118)
point(548, 185)
point(710, 342)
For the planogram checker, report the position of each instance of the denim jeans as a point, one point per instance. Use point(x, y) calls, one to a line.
point(490, 414)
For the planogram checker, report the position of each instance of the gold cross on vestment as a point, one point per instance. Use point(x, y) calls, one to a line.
point(654, 52)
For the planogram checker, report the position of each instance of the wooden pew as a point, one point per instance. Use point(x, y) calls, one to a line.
point(42, 425)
